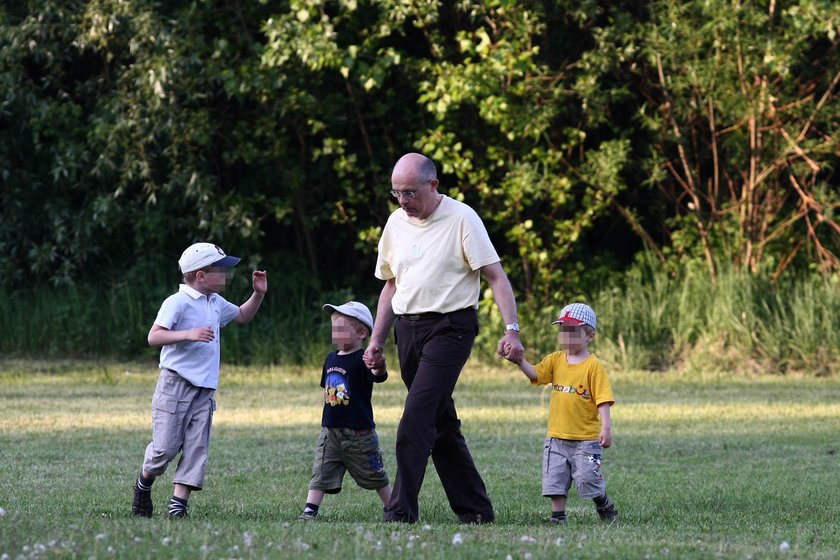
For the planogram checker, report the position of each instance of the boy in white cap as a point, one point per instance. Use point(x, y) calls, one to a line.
point(187, 328)
point(576, 436)
point(348, 440)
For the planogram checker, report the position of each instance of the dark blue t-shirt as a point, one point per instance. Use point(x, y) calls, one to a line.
point(348, 385)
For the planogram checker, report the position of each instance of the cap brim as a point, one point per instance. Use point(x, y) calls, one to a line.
point(568, 321)
point(227, 262)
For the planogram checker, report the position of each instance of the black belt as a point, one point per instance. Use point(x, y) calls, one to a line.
point(431, 314)
point(421, 316)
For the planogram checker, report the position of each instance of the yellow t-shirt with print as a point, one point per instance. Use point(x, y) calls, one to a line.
point(577, 390)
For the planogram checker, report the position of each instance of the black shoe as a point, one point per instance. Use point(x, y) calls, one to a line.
point(561, 520)
point(607, 512)
point(474, 519)
point(393, 517)
point(142, 506)
point(180, 514)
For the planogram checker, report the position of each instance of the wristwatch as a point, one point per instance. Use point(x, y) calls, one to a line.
point(512, 327)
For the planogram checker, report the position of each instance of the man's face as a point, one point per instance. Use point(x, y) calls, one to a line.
point(417, 199)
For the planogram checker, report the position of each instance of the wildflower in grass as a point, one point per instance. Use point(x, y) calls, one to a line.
point(2, 512)
point(528, 539)
point(457, 539)
point(784, 547)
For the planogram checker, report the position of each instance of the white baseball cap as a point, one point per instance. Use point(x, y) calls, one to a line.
point(353, 309)
point(576, 314)
point(199, 255)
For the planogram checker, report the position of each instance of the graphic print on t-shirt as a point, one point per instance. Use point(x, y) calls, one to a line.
point(336, 387)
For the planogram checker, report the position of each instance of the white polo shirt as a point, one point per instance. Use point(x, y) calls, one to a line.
point(197, 362)
point(435, 262)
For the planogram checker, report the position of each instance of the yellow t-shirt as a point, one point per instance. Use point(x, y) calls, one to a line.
point(577, 390)
point(435, 262)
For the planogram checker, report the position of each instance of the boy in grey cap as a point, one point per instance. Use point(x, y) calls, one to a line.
point(348, 440)
point(188, 328)
point(579, 425)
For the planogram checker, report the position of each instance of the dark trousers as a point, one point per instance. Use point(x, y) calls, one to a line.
point(432, 352)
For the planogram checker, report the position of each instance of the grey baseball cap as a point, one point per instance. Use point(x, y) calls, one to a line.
point(353, 309)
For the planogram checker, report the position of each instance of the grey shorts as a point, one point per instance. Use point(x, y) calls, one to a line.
point(182, 415)
point(343, 449)
point(566, 460)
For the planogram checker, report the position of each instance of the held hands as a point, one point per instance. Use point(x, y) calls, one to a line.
point(510, 347)
point(260, 281)
point(373, 357)
point(201, 334)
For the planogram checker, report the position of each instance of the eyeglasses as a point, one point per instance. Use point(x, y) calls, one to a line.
point(408, 194)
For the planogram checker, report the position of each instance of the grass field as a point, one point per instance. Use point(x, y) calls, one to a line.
point(700, 468)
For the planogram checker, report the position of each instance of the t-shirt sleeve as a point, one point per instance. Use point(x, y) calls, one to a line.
point(601, 388)
point(169, 313)
point(383, 266)
point(227, 312)
point(545, 370)
point(478, 249)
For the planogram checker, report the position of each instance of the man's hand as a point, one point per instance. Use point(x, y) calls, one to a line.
point(373, 357)
point(510, 347)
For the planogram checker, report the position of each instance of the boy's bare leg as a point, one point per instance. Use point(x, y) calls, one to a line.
point(315, 497)
point(182, 491)
point(385, 494)
point(558, 503)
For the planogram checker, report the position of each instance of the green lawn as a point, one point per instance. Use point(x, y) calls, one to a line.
point(712, 468)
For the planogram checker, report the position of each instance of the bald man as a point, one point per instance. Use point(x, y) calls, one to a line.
point(432, 254)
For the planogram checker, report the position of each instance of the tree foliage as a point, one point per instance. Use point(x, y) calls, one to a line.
point(584, 133)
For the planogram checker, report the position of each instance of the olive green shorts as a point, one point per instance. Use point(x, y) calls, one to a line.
point(343, 450)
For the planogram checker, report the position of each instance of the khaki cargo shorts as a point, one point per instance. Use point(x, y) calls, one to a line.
point(566, 460)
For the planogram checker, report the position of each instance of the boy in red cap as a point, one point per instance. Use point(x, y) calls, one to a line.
point(578, 416)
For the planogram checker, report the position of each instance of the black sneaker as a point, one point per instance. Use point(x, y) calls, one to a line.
point(608, 513)
point(561, 520)
point(142, 506)
point(308, 515)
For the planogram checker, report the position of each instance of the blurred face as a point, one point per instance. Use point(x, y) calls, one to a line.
point(346, 335)
point(212, 280)
point(573, 339)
